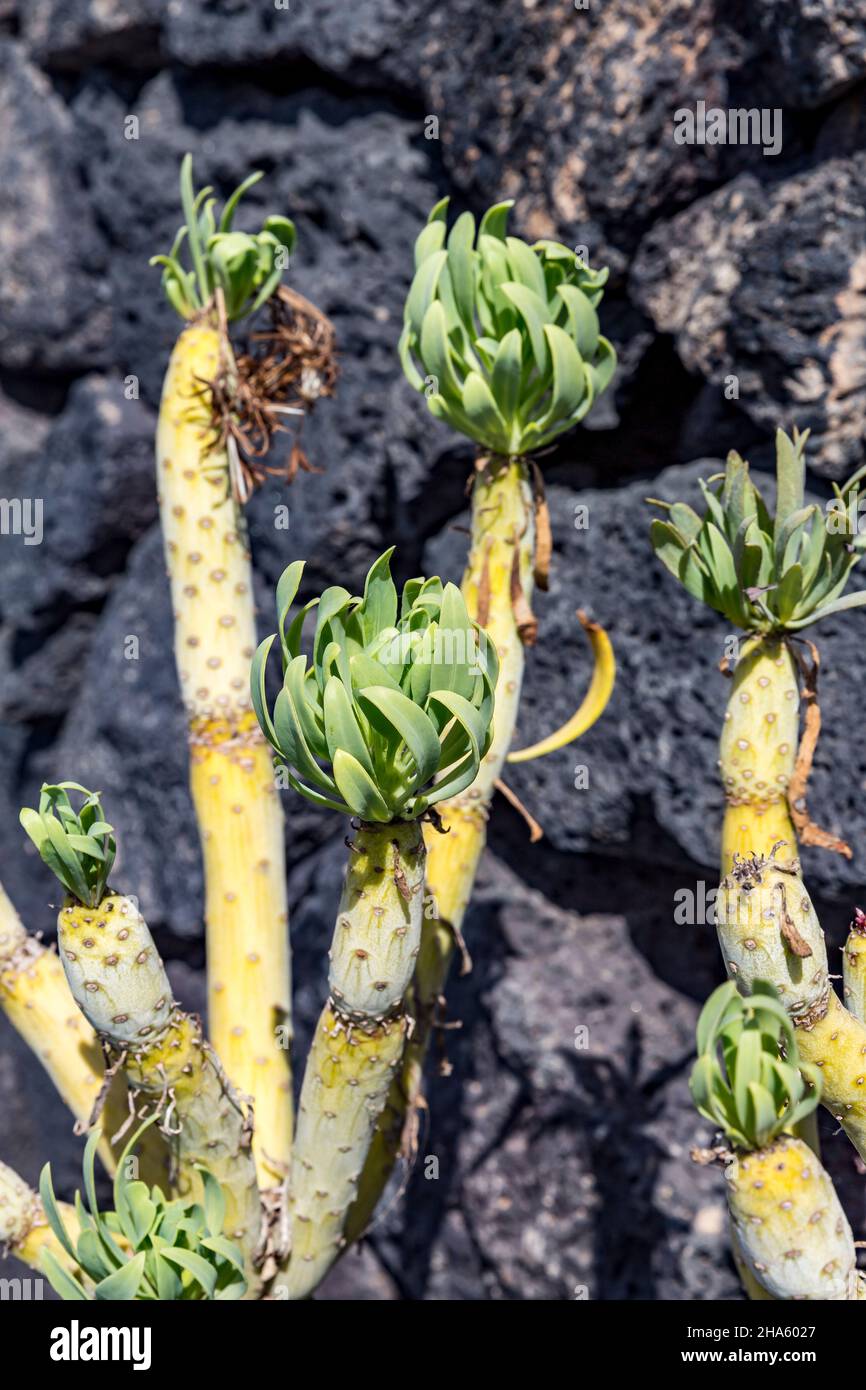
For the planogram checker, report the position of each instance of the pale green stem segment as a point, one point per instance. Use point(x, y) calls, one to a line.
point(114, 971)
point(854, 968)
point(358, 1044)
point(119, 982)
point(379, 920)
point(768, 930)
point(758, 751)
point(349, 1070)
point(24, 1231)
point(791, 1231)
point(755, 1290)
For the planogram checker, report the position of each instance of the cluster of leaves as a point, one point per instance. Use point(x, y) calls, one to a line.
point(740, 1081)
point(394, 712)
point(247, 268)
point(503, 337)
point(148, 1248)
point(78, 846)
point(764, 573)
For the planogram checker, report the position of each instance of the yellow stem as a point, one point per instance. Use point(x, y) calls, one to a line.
point(854, 972)
point(791, 1231)
point(237, 808)
point(836, 1044)
point(23, 1228)
point(183, 1077)
point(35, 997)
point(347, 1077)
point(119, 982)
point(359, 1043)
point(758, 752)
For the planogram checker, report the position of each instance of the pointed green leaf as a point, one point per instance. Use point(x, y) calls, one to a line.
point(535, 314)
point(461, 268)
point(60, 1279)
point(423, 289)
point(790, 479)
point(342, 729)
point(358, 789)
point(495, 220)
point(569, 381)
point(526, 268)
point(506, 376)
point(123, 1284)
point(412, 725)
point(193, 1264)
point(481, 410)
point(582, 320)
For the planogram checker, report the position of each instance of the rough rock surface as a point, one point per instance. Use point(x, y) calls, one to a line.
point(819, 45)
point(764, 290)
point(561, 1157)
point(55, 313)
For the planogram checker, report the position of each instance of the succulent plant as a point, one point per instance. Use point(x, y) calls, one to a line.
point(391, 714)
point(247, 268)
point(768, 929)
point(34, 997)
point(223, 400)
point(394, 712)
point(502, 337)
point(791, 1237)
point(772, 576)
point(854, 966)
point(503, 340)
point(78, 846)
point(766, 573)
point(740, 1081)
point(117, 978)
point(147, 1247)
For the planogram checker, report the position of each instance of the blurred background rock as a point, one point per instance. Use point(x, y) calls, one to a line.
point(560, 1169)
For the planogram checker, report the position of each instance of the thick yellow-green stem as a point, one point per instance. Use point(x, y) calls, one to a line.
point(758, 751)
point(358, 1043)
point(854, 969)
point(182, 1075)
point(791, 1233)
point(349, 1070)
point(500, 570)
point(35, 997)
point(237, 808)
point(24, 1231)
point(118, 980)
point(836, 1044)
point(755, 1291)
point(768, 930)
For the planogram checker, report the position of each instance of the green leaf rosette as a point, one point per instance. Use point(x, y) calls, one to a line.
point(749, 1079)
point(247, 268)
point(766, 572)
point(394, 711)
point(147, 1248)
point(502, 337)
point(78, 846)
